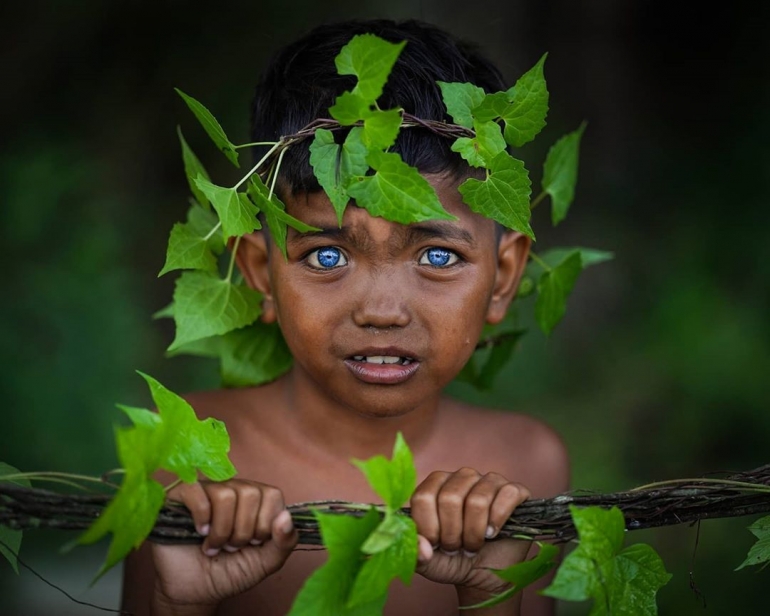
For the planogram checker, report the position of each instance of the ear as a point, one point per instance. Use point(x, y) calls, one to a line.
point(512, 255)
point(253, 259)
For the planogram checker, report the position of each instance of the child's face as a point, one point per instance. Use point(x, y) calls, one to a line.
point(377, 291)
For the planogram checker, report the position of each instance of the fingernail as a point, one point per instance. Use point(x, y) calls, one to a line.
point(491, 532)
point(255, 542)
point(468, 554)
point(204, 530)
point(231, 548)
point(435, 547)
point(211, 551)
point(284, 522)
point(423, 555)
point(450, 552)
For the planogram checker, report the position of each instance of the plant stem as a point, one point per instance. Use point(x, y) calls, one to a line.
point(232, 259)
point(540, 262)
point(213, 231)
point(537, 200)
point(275, 173)
point(257, 166)
point(248, 145)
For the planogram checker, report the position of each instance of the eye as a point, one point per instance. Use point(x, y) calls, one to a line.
point(438, 257)
point(328, 257)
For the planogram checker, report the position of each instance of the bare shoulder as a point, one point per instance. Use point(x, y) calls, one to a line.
point(522, 447)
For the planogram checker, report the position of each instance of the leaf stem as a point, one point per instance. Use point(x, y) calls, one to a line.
point(248, 145)
point(258, 165)
point(537, 200)
point(750, 487)
point(232, 259)
point(213, 231)
point(275, 173)
point(172, 485)
point(540, 262)
point(50, 475)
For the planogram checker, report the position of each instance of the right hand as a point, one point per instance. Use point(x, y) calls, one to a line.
point(248, 536)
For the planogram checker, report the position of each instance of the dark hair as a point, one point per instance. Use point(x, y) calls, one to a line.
point(301, 83)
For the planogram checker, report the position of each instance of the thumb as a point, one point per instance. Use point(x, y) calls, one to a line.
point(283, 539)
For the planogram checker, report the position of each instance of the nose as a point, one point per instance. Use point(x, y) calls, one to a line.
point(381, 301)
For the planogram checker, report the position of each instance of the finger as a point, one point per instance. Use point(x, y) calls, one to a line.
point(508, 497)
point(283, 539)
point(224, 500)
point(272, 505)
point(477, 509)
point(194, 497)
point(424, 506)
point(451, 508)
point(246, 514)
point(424, 550)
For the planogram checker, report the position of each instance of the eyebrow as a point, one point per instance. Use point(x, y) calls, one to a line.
point(413, 233)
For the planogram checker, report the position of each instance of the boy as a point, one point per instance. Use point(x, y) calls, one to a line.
point(379, 318)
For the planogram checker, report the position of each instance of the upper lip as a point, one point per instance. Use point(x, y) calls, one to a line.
point(390, 351)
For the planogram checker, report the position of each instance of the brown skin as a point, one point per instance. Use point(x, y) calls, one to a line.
point(300, 432)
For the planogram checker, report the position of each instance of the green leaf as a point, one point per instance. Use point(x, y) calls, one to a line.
point(397, 560)
point(253, 355)
point(10, 537)
point(553, 289)
point(326, 591)
point(381, 128)
point(325, 160)
point(350, 108)
point(188, 250)
point(482, 149)
point(130, 516)
point(397, 192)
point(205, 305)
point(460, 99)
point(560, 173)
point(522, 574)
point(192, 169)
point(211, 126)
point(525, 115)
point(196, 445)
point(760, 551)
point(554, 256)
point(623, 582)
point(498, 358)
point(141, 418)
point(503, 196)
point(492, 107)
point(237, 213)
point(275, 215)
point(393, 480)
point(202, 222)
point(370, 58)
point(389, 532)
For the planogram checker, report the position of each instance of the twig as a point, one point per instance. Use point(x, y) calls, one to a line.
point(677, 502)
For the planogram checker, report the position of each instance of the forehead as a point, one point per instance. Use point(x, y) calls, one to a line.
point(316, 209)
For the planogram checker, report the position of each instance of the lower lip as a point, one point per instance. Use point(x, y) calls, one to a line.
point(382, 374)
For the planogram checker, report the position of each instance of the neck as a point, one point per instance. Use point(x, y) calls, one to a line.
point(342, 431)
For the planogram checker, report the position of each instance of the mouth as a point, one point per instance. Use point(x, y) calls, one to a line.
point(384, 359)
point(383, 366)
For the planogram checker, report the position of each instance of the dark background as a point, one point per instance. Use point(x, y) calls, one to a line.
point(660, 369)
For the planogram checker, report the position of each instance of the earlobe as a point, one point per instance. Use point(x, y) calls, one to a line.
point(512, 255)
point(253, 259)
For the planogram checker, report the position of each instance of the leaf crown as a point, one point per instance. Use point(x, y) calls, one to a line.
point(216, 314)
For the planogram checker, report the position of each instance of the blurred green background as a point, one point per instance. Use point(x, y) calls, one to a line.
point(661, 368)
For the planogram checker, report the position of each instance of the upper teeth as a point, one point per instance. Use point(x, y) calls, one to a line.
point(378, 359)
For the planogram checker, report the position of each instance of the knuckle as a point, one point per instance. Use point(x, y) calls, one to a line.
point(422, 499)
point(450, 500)
point(477, 502)
point(467, 471)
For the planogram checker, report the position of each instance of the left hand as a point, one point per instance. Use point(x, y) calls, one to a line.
point(455, 514)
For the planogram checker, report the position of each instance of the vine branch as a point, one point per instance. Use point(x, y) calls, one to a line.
point(677, 502)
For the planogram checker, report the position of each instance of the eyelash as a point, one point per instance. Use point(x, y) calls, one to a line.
point(312, 258)
point(313, 261)
point(453, 257)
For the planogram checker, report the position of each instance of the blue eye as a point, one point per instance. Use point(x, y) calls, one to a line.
point(326, 258)
point(438, 257)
